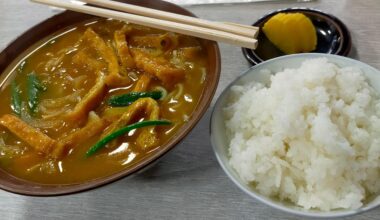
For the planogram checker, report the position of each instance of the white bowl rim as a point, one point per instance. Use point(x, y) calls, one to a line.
point(258, 196)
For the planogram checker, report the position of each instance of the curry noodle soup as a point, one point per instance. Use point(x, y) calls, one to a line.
point(66, 95)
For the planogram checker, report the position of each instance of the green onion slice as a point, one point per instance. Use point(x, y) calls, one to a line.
point(129, 98)
point(103, 142)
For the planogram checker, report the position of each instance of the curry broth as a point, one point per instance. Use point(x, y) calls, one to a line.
point(54, 66)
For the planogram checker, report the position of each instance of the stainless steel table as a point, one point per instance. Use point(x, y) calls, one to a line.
point(188, 183)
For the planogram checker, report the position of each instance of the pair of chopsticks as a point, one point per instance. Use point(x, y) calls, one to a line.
point(231, 33)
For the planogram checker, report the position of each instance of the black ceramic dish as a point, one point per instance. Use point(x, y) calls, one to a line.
point(333, 36)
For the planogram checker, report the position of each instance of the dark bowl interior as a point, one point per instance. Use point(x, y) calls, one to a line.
point(68, 18)
point(332, 35)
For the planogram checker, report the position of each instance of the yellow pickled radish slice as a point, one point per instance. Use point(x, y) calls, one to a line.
point(291, 32)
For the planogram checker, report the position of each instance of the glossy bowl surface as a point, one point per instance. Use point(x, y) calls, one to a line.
point(50, 27)
point(332, 35)
point(220, 143)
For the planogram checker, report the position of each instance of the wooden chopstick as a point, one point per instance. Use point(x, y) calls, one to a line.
point(201, 32)
point(239, 29)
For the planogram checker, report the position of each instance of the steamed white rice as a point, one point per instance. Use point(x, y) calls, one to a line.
point(312, 136)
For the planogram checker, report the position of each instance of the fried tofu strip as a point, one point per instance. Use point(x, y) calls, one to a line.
point(35, 138)
point(113, 78)
point(143, 83)
point(190, 53)
point(159, 67)
point(148, 106)
point(94, 126)
point(90, 101)
point(82, 58)
point(163, 42)
point(122, 48)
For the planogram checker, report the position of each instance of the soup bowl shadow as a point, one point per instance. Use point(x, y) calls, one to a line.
point(51, 26)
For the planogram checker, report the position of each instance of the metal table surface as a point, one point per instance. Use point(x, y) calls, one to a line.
point(188, 183)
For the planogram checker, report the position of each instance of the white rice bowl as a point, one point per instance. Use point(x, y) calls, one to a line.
point(312, 136)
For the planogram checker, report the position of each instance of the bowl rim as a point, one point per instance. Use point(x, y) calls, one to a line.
point(264, 199)
point(344, 49)
point(20, 186)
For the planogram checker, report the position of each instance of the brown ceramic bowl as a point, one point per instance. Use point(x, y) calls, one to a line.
point(65, 19)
